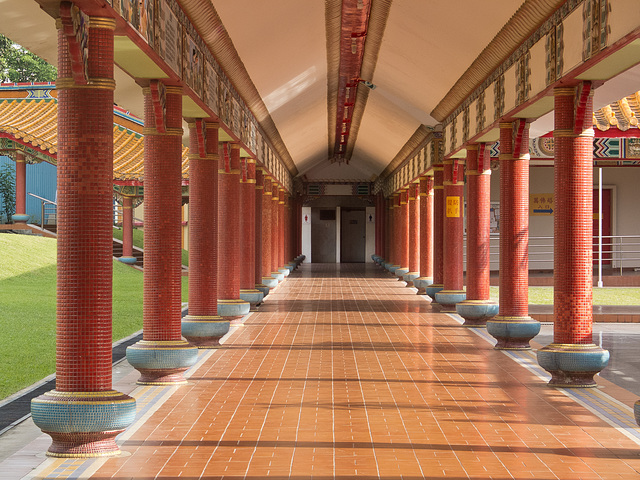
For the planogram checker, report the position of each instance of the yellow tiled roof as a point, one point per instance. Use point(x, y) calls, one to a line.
point(622, 114)
point(35, 122)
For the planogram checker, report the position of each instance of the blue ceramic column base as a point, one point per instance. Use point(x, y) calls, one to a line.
point(233, 309)
point(573, 365)
point(513, 333)
point(285, 271)
point(83, 424)
point(128, 260)
point(392, 268)
point(432, 289)
point(448, 299)
point(162, 362)
point(270, 282)
point(409, 277)
point(264, 288)
point(279, 276)
point(20, 218)
point(400, 272)
point(204, 331)
point(421, 283)
point(291, 266)
point(253, 296)
point(477, 312)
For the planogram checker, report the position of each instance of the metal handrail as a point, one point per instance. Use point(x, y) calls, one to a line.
point(44, 203)
point(622, 249)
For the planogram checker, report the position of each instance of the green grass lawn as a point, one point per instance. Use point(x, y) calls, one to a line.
point(601, 296)
point(28, 313)
point(138, 241)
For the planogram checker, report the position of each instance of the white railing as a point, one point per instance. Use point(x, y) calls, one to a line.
point(618, 252)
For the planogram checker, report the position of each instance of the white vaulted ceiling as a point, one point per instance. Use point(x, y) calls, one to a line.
point(426, 46)
point(428, 54)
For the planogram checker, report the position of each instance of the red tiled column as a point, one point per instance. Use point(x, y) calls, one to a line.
point(248, 292)
point(127, 231)
point(426, 235)
point(478, 308)
point(162, 356)
point(21, 189)
point(438, 231)
point(403, 234)
point(230, 305)
point(453, 223)
point(74, 413)
point(513, 327)
point(391, 263)
point(268, 231)
point(259, 219)
point(275, 232)
point(282, 232)
point(573, 359)
point(203, 326)
point(413, 196)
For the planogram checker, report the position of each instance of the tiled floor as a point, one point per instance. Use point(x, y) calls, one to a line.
point(346, 373)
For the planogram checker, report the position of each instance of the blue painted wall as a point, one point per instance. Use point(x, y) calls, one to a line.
point(41, 181)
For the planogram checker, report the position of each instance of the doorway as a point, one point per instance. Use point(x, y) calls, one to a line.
point(323, 235)
point(353, 235)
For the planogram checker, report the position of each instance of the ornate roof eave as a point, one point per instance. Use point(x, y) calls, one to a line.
point(523, 23)
point(209, 25)
point(622, 114)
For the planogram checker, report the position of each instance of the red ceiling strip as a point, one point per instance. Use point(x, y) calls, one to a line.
point(355, 20)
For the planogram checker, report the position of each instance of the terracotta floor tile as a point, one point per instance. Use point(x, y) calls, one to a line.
point(344, 372)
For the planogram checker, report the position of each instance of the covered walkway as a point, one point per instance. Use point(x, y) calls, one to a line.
point(345, 372)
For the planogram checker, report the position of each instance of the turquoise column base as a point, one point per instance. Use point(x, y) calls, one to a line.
point(432, 289)
point(263, 288)
point(285, 271)
point(253, 296)
point(477, 312)
point(421, 283)
point(270, 282)
point(20, 218)
point(204, 331)
point(128, 260)
point(513, 333)
point(448, 299)
point(162, 362)
point(233, 309)
point(83, 424)
point(573, 365)
point(409, 277)
point(400, 272)
point(279, 276)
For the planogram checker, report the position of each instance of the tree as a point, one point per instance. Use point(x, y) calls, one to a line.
point(8, 191)
point(18, 64)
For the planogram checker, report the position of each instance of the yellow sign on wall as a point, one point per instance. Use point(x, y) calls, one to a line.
point(541, 204)
point(453, 207)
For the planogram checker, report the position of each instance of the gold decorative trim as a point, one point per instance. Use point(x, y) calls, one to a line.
point(209, 156)
point(438, 169)
point(102, 22)
point(250, 180)
point(564, 91)
point(438, 187)
point(505, 156)
point(508, 125)
point(233, 171)
point(564, 133)
point(176, 132)
point(232, 301)
point(259, 187)
point(214, 318)
point(473, 147)
point(173, 90)
point(93, 83)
